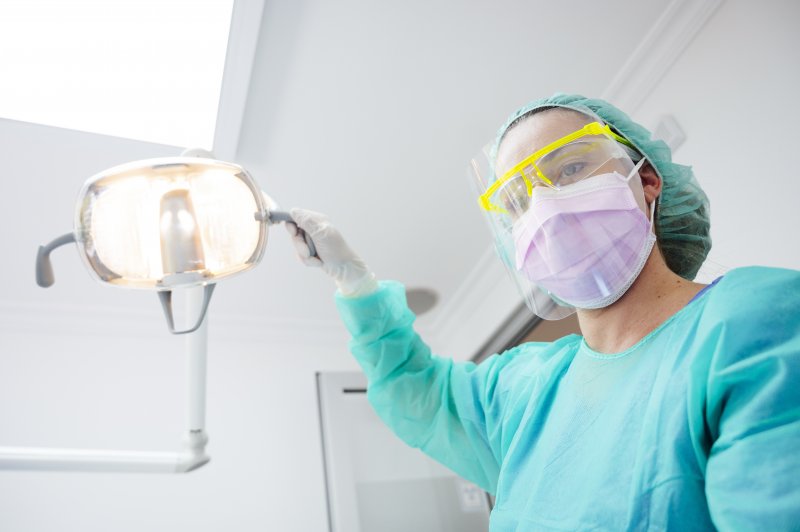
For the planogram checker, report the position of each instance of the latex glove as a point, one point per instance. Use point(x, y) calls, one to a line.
point(334, 256)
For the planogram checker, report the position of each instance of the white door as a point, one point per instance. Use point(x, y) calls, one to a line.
point(377, 483)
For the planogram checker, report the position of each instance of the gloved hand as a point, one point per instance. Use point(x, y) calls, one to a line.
point(334, 256)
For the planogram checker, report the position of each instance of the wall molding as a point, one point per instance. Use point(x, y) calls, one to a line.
point(671, 34)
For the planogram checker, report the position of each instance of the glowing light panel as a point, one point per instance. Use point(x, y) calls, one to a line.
point(143, 69)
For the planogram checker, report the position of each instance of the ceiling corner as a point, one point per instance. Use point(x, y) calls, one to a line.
point(239, 62)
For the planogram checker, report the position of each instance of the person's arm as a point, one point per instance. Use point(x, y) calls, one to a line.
point(753, 405)
point(452, 411)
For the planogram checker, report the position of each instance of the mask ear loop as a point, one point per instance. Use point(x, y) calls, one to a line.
point(635, 170)
point(653, 214)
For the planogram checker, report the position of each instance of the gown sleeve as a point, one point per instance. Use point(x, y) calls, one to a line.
point(452, 411)
point(753, 401)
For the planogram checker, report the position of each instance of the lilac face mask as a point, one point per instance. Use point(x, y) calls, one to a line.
point(585, 243)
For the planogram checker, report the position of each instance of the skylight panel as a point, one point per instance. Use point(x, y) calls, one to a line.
point(141, 69)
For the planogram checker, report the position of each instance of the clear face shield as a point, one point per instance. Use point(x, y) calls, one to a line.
point(546, 191)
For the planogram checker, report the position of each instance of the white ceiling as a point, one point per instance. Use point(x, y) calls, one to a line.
point(367, 111)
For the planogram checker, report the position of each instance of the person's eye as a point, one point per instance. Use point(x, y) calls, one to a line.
point(572, 170)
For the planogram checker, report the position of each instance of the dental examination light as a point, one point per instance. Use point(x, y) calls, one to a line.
point(177, 223)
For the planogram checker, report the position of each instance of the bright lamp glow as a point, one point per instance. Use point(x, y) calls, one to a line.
point(162, 223)
point(144, 69)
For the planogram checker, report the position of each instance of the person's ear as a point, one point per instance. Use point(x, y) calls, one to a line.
point(651, 183)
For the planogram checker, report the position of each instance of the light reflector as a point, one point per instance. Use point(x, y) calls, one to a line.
point(163, 223)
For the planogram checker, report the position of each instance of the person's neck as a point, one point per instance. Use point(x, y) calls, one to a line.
point(655, 295)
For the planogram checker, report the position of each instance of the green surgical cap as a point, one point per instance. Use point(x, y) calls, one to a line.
point(682, 211)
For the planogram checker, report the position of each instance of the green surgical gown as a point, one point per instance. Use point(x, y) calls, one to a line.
point(696, 426)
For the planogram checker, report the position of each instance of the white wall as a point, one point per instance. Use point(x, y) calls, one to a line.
point(734, 92)
point(126, 391)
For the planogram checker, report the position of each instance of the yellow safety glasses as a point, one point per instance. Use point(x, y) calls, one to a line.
point(567, 160)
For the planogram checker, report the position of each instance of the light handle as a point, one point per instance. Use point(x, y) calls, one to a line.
point(274, 217)
point(44, 266)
